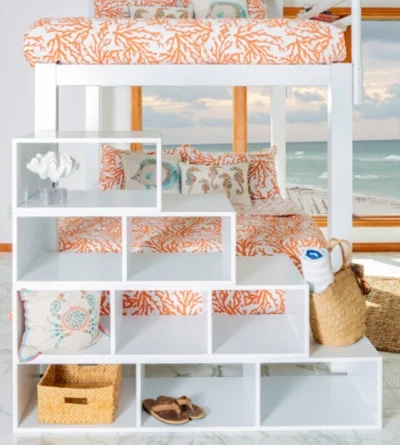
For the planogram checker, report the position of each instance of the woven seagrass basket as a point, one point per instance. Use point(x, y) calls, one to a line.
point(79, 395)
point(338, 314)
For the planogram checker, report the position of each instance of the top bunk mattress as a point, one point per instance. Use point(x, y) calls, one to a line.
point(108, 41)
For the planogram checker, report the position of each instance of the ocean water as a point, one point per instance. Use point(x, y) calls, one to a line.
point(376, 165)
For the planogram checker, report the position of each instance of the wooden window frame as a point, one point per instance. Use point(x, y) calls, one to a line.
point(240, 109)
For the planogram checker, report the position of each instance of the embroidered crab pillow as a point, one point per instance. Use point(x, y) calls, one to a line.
point(60, 322)
point(140, 171)
point(229, 179)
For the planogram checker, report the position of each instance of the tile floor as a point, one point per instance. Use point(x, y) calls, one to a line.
point(375, 264)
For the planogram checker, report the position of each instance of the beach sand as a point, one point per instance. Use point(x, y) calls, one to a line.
point(315, 202)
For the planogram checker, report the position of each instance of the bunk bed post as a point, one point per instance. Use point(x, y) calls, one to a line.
point(92, 101)
point(340, 152)
point(278, 133)
point(46, 97)
point(356, 39)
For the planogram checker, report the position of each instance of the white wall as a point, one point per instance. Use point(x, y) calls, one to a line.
point(16, 83)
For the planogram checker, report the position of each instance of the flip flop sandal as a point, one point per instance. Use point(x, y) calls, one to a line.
point(187, 406)
point(165, 409)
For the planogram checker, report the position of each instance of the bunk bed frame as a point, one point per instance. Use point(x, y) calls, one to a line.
point(343, 81)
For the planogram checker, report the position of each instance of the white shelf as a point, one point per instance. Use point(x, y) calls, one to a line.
point(313, 402)
point(226, 400)
point(162, 335)
point(216, 204)
point(94, 203)
point(210, 269)
point(125, 417)
point(90, 137)
point(74, 267)
point(271, 272)
point(255, 334)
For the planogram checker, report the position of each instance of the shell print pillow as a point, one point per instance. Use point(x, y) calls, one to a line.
point(60, 322)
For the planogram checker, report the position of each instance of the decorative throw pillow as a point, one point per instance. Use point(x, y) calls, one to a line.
point(157, 12)
point(257, 9)
point(230, 179)
point(60, 322)
point(112, 175)
point(222, 9)
point(140, 171)
point(120, 8)
point(263, 183)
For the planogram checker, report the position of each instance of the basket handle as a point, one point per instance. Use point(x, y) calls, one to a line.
point(345, 248)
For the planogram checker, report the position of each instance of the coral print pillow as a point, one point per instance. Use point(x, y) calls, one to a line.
point(140, 171)
point(263, 183)
point(230, 179)
point(257, 9)
point(60, 322)
point(120, 8)
point(157, 12)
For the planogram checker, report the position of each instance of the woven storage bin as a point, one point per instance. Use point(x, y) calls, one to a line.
point(81, 395)
point(338, 314)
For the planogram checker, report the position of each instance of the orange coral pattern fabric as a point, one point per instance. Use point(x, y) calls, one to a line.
point(196, 41)
point(120, 8)
point(256, 9)
point(269, 227)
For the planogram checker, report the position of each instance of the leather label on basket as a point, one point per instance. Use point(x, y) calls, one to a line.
point(75, 401)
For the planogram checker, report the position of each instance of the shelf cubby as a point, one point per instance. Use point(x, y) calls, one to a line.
point(169, 333)
point(89, 201)
point(159, 268)
point(347, 397)
point(229, 402)
point(90, 354)
point(28, 377)
point(38, 258)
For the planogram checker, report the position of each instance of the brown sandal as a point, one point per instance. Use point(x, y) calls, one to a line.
point(165, 409)
point(193, 411)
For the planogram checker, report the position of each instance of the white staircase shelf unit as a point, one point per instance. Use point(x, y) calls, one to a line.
point(245, 401)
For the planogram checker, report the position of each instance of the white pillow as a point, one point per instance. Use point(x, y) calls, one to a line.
point(60, 322)
point(159, 12)
point(229, 179)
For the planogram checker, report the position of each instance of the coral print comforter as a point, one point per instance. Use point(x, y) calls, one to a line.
point(269, 227)
point(97, 41)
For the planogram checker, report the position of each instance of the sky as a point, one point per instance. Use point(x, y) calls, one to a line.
point(204, 115)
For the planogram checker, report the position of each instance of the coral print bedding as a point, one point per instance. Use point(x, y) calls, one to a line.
point(194, 41)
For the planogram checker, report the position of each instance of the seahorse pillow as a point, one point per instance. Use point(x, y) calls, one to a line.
point(120, 8)
point(229, 179)
point(140, 171)
point(263, 182)
point(112, 175)
point(158, 12)
point(60, 322)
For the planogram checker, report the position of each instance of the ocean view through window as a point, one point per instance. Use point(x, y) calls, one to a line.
point(202, 117)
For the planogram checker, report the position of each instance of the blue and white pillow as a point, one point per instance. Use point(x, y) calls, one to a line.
point(140, 170)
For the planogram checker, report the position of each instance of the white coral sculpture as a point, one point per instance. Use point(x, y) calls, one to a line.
point(53, 166)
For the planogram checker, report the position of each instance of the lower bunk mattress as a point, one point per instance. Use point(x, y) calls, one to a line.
point(269, 227)
point(105, 41)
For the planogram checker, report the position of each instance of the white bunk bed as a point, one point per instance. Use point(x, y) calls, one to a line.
point(350, 399)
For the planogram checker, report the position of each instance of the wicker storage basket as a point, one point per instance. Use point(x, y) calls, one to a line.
point(73, 394)
point(338, 314)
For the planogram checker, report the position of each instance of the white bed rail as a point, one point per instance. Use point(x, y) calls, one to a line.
point(354, 20)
